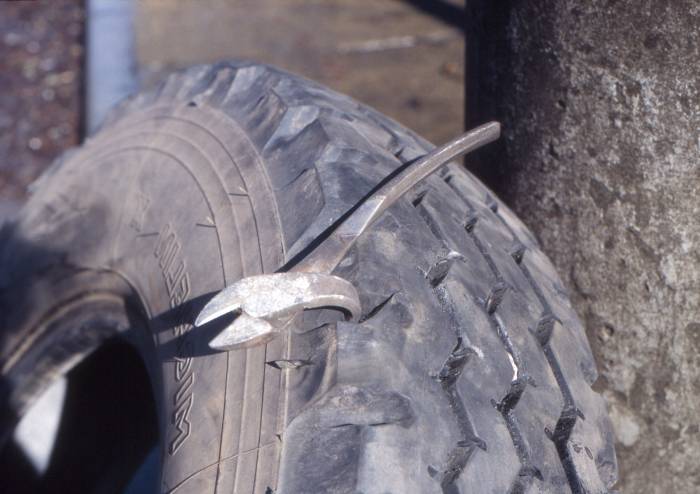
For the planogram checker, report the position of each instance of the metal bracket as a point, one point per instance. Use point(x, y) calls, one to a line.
point(266, 303)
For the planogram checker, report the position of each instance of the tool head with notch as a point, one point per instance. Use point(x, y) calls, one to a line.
point(265, 304)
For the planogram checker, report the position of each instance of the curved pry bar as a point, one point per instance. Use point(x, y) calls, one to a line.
point(263, 316)
point(326, 256)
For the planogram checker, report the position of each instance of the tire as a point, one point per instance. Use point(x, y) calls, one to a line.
point(463, 375)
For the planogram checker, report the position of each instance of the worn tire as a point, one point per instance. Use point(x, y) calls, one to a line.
point(466, 373)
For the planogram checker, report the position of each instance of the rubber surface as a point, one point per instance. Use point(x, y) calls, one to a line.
point(469, 370)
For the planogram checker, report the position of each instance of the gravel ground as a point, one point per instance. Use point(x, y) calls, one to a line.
point(41, 53)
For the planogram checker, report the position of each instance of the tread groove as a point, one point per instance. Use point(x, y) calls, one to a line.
point(448, 375)
point(570, 414)
point(459, 456)
point(528, 471)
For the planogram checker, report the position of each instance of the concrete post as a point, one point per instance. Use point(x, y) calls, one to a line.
point(601, 110)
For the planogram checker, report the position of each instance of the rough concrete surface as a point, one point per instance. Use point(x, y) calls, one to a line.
point(601, 108)
point(41, 55)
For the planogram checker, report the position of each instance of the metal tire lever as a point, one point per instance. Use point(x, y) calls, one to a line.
point(267, 303)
